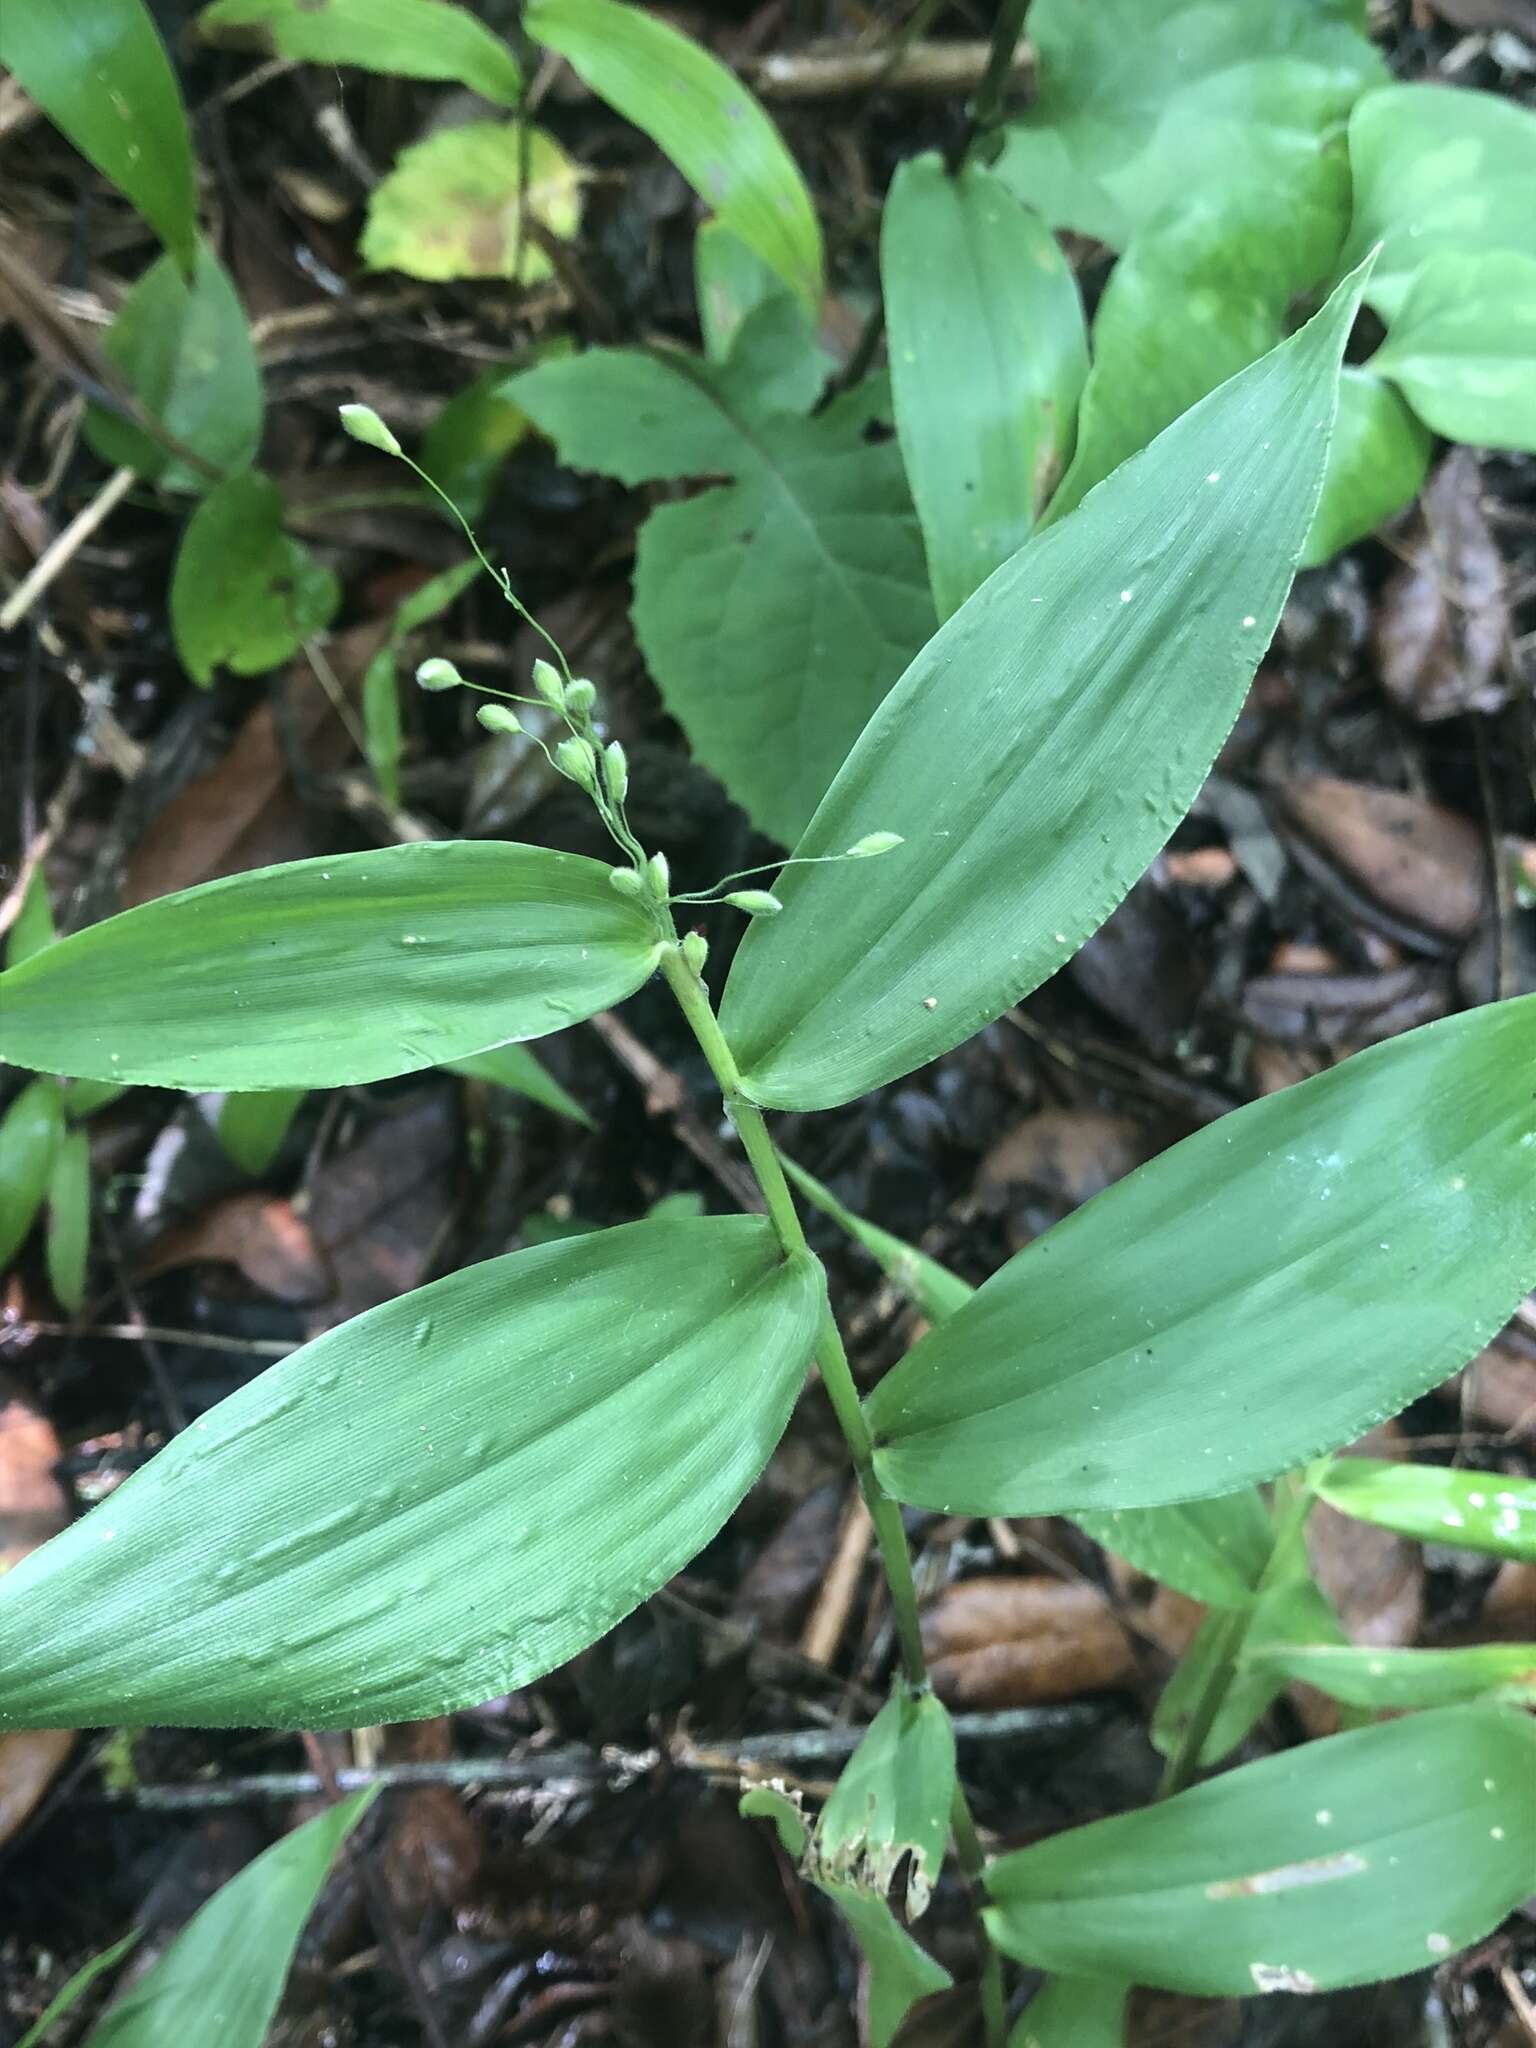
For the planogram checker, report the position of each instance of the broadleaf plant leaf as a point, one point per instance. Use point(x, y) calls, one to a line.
point(183, 345)
point(400, 38)
point(252, 1125)
point(1073, 2012)
point(773, 612)
point(1390, 1680)
point(453, 205)
point(900, 1972)
point(893, 1801)
point(1493, 1512)
point(1041, 748)
point(31, 1131)
point(99, 71)
point(1212, 1550)
point(1462, 349)
point(69, 1219)
point(1363, 1856)
point(324, 973)
point(1436, 169)
point(228, 1965)
point(985, 374)
point(700, 116)
point(1137, 107)
point(1285, 1278)
point(1377, 462)
point(244, 595)
point(435, 1503)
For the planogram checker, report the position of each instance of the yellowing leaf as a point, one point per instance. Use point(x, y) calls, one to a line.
point(452, 206)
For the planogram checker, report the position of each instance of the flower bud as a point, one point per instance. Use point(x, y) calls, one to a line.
point(755, 902)
point(615, 771)
point(575, 758)
point(364, 424)
point(626, 881)
point(873, 843)
point(695, 951)
point(546, 680)
point(438, 674)
point(658, 876)
point(580, 696)
point(497, 718)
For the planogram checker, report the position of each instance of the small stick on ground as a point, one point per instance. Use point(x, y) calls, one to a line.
point(823, 1631)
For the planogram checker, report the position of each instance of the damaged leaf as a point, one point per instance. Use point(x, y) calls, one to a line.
point(893, 1800)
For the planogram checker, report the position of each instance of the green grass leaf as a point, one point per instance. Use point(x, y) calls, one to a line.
point(1284, 1278)
point(31, 1132)
point(774, 611)
point(985, 373)
point(244, 596)
point(1367, 1855)
point(76, 1988)
point(1493, 1512)
point(701, 117)
point(522, 1072)
point(1377, 461)
point(452, 205)
point(1462, 349)
point(183, 345)
point(99, 71)
point(381, 678)
point(400, 38)
point(1437, 168)
point(1391, 1680)
point(439, 1501)
point(323, 973)
point(228, 1964)
point(69, 1219)
point(1041, 748)
point(1140, 106)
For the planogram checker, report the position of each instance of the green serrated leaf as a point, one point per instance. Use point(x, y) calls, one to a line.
point(986, 372)
point(772, 689)
point(435, 1503)
point(99, 71)
point(700, 116)
point(400, 38)
point(1040, 749)
point(227, 1967)
point(452, 205)
point(1462, 349)
point(184, 345)
point(893, 1800)
point(325, 973)
point(1364, 1856)
point(1437, 168)
point(243, 595)
point(1139, 106)
point(1391, 1680)
point(31, 1132)
point(1494, 1512)
point(1377, 462)
point(1283, 1279)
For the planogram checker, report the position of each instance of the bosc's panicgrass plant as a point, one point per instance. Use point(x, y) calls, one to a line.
point(455, 1493)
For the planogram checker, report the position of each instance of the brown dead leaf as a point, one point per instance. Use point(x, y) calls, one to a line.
point(1519, 16)
point(1057, 1160)
point(1442, 624)
point(1140, 967)
point(260, 1234)
point(378, 1209)
point(1508, 1612)
point(1500, 1388)
point(1011, 1642)
point(778, 1586)
point(32, 1508)
point(431, 1851)
point(1411, 868)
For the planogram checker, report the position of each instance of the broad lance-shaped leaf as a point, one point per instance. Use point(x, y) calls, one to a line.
point(1389, 1679)
point(775, 611)
point(99, 71)
point(704, 119)
point(900, 1972)
point(986, 372)
point(1284, 1278)
point(893, 1800)
point(323, 973)
point(437, 1502)
point(1073, 2012)
point(1363, 1856)
point(1213, 1550)
point(224, 1972)
point(401, 38)
point(1041, 748)
point(1494, 1512)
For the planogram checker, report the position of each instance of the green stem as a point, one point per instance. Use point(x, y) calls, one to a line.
point(837, 1377)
